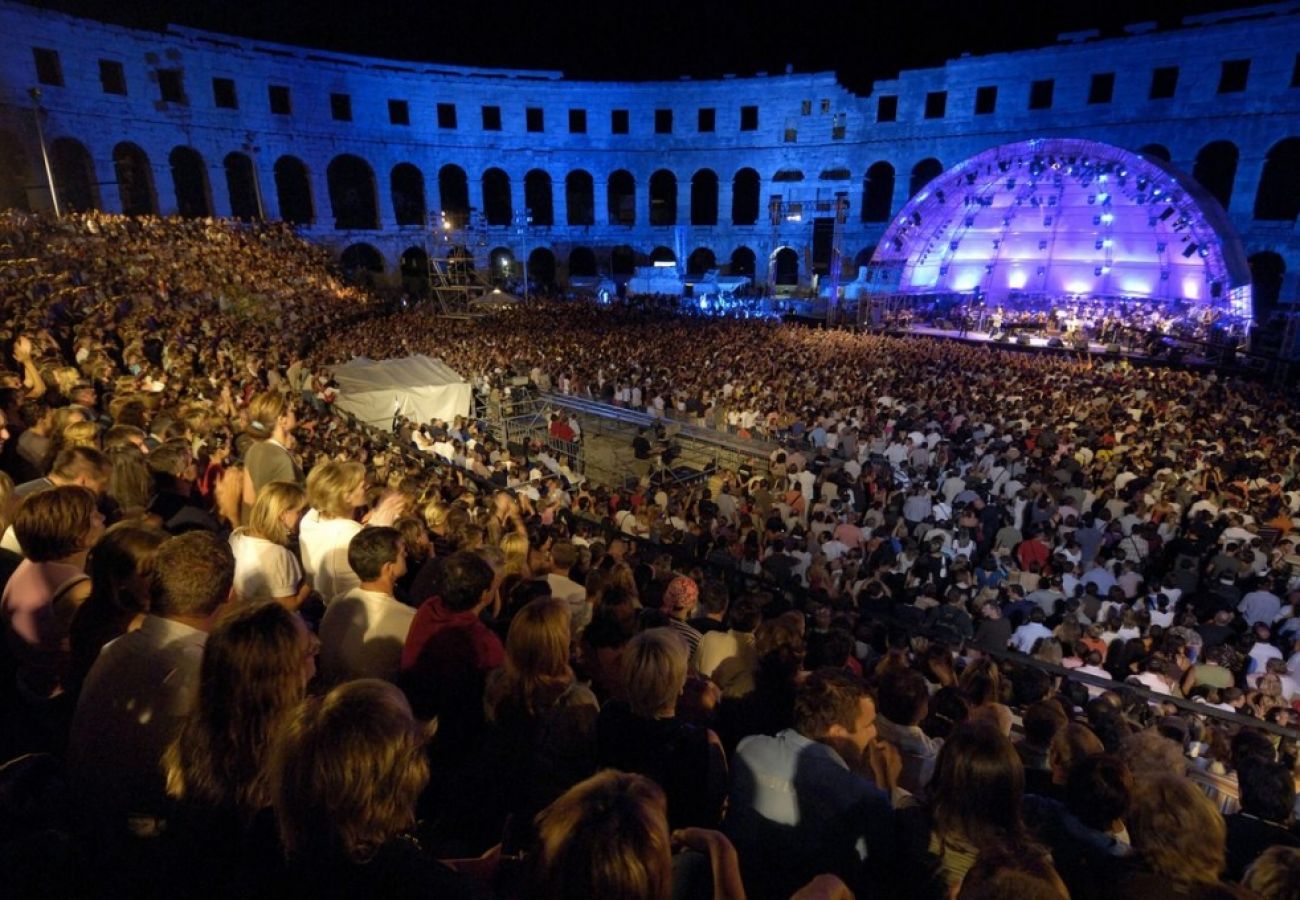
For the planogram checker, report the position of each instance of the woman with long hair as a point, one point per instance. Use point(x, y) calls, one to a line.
point(981, 682)
point(542, 722)
point(119, 566)
point(973, 809)
point(256, 666)
point(265, 567)
point(271, 421)
point(335, 490)
point(346, 771)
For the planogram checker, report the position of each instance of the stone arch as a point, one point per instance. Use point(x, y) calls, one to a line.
point(923, 173)
point(701, 260)
point(135, 190)
point(744, 197)
point(497, 208)
point(406, 186)
point(453, 194)
point(361, 262)
point(1156, 151)
point(622, 260)
point(190, 181)
point(241, 187)
point(1216, 169)
point(1267, 270)
point(413, 266)
point(352, 193)
point(878, 192)
point(704, 197)
point(862, 259)
point(785, 266)
point(293, 191)
point(663, 198)
point(579, 198)
point(74, 175)
point(541, 267)
point(621, 195)
point(1278, 197)
point(502, 264)
point(582, 262)
point(743, 261)
point(788, 175)
point(15, 174)
point(662, 255)
point(538, 198)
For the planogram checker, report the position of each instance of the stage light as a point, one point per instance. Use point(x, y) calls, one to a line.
point(1103, 198)
point(1167, 213)
point(1190, 249)
point(1108, 243)
point(1107, 218)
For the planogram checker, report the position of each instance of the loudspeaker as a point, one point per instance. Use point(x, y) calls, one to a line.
point(1024, 340)
point(1112, 349)
point(1055, 342)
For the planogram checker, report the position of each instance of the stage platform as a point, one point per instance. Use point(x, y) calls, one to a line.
point(1192, 357)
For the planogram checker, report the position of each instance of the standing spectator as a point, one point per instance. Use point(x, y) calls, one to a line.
point(265, 567)
point(645, 734)
point(363, 631)
point(56, 528)
point(335, 490)
point(271, 421)
point(143, 687)
point(256, 666)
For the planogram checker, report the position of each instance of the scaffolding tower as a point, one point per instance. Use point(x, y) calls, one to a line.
point(458, 260)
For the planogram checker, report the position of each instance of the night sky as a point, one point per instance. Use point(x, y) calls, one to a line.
point(657, 39)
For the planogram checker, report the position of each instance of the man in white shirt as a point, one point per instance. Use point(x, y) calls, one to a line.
point(1027, 635)
point(564, 555)
point(364, 629)
point(144, 685)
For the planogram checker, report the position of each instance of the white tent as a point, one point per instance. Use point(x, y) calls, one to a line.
point(418, 387)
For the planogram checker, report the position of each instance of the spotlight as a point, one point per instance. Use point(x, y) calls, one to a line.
point(1190, 249)
point(1169, 211)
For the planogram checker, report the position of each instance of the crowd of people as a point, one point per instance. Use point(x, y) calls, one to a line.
point(979, 624)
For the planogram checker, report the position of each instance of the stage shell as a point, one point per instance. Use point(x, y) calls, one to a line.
point(1053, 220)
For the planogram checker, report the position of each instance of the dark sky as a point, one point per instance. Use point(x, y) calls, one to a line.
point(656, 39)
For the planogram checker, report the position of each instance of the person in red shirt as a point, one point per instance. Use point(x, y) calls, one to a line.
point(449, 650)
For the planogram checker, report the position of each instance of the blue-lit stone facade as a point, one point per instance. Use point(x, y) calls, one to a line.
point(726, 173)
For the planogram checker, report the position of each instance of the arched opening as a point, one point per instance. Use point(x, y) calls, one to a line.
point(361, 262)
point(293, 191)
point(662, 255)
point(414, 266)
point(838, 173)
point(704, 197)
point(496, 197)
point(14, 173)
point(1278, 199)
point(541, 267)
point(241, 185)
point(700, 261)
point(582, 261)
point(878, 193)
point(788, 176)
point(352, 193)
point(622, 198)
point(134, 180)
point(453, 194)
point(922, 174)
point(190, 181)
point(663, 198)
point(1267, 270)
point(74, 175)
point(787, 266)
point(622, 260)
point(406, 184)
point(537, 198)
point(1216, 169)
point(501, 265)
point(580, 198)
point(744, 197)
point(1155, 151)
point(862, 259)
point(742, 261)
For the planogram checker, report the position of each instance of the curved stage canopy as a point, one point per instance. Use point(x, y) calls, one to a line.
point(1062, 219)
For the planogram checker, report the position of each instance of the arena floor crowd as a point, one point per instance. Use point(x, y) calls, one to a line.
point(984, 624)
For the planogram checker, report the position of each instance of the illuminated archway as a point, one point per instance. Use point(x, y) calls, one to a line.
point(1057, 219)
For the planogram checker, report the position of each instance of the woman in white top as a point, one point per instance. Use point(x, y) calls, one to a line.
point(265, 568)
point(335, 490)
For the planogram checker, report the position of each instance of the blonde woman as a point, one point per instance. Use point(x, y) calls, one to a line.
point(265, 568)
point(335, 491)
